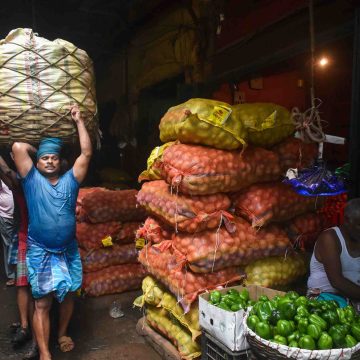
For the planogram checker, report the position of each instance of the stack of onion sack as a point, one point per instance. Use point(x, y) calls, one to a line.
point(193, 240)
point(106, 226)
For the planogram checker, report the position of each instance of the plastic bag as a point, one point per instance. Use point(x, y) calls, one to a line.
point(200, 170)
point(267, 124)
point(95, 260)
point(183, 212)
point(205, 122)
point(114, 279)
point(261, 204)
point(215, 250)
point(316, 181)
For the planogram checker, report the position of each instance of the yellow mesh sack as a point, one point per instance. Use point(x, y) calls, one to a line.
point(39, 81)
point(158, 319)
point(276, 271)
point(267, 124)
point(152, 173)
point(154, 295)
point(205, 122)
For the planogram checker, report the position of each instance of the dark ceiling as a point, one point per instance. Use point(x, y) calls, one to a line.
point(101, 27)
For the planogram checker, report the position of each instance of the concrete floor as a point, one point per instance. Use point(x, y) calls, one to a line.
point(97, 336)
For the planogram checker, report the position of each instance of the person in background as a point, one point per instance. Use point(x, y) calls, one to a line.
point(24, 300)
point(7, 221)
point(335, 263)
point(53, 261)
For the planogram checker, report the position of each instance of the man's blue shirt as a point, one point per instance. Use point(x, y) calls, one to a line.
point(51, 208)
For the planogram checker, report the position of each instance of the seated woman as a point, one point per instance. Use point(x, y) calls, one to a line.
point(335, 263)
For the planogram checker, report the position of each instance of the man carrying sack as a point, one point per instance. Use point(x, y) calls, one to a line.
point(53, 261)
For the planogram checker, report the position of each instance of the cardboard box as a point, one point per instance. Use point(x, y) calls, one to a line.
point(227, 326)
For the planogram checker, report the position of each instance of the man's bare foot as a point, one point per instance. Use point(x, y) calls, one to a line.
point(65, 343)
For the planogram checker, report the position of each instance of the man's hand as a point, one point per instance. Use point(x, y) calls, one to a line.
point(76, 113)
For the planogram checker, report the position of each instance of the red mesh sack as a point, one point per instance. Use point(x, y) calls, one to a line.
point(94, 260)
point(214, 250)
point(114, 279)
point(304, 230)
point(109, 205)
point(200, 170)
point(154, 231)
point(85, 191)
point(80, 214)
point(183, 212)
point(333, 209)
point(166, 264)
point(294, 153)
point(261, 204)
point(90, 236)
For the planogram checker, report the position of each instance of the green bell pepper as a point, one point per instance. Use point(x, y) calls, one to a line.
point(317, 320)
point(275, 317)
point(350, 341)
point(287, 309)
point(338, 334)
point(307, 342)
point(280, 340)
point(264, 310)
point(355, 331)
point(276, 299)
point(302, 311)
point(284, 328)
point(244, 295)
point(331, 317)
point(303, 325)
point(263, 330)
point(314, 304)
point(329, 305)
point(236, 307)
point(294, 344)
point(346, 315)
point(215, 296)
point(292, 295)
point(314, 331)
point(325, 341)
point(251, 302)
point(301, 300)
point(251, 322)
point(233, 292)
point(224, 306)
point(263, 298)
point(295, 336)
point(227, 300)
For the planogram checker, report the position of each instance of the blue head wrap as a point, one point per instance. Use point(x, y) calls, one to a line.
point(49, 146)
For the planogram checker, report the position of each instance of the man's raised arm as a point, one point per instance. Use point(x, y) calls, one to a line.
point(82, 162)
point(21, 152)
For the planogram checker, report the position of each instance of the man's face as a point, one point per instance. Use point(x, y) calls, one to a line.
point(49, 165)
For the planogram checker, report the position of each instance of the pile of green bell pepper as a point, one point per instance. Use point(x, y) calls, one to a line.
point(232, 300)
point(296, 321)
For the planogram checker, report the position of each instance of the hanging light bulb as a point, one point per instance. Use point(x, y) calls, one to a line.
point(323, 61)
